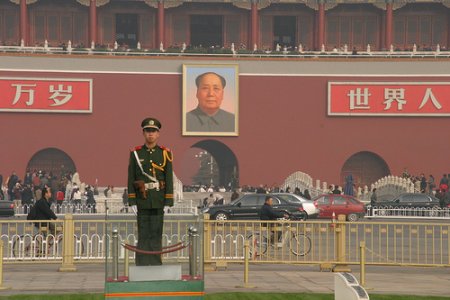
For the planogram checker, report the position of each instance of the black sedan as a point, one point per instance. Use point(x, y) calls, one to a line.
point(248, 207)
point(6, 208)
point(410, 200)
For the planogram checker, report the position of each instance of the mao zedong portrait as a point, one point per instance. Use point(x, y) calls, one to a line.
point(208, 116)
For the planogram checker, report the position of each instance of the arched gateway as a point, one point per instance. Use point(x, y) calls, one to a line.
point(226, 161)
point(366, 168)
point(52, 160)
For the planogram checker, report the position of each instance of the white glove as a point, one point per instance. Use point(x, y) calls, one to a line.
point(134, 209)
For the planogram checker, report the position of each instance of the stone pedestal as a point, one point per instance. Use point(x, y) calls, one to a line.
point(154, 273)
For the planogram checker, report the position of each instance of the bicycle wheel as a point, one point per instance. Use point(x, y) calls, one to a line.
point(78, 247)
point(258, 244)
point(23, 247)
point(16, 246)
point(300, 244)
point(54, 249)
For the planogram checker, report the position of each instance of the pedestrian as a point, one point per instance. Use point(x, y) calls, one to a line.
point(43, 212)
point(443, 184)
point(348, 187)
point(150, 188)
point(125, 201)
point(27, 195)
point(90, 200)
point(423, 183)
point(269, 214)
point(76, 195)
point(306, 194)
point(373, 200)
point(13, 179)
point(59, 200)
point(336, 190)
point(442, 196)
point(431, 184)
point(234, 195)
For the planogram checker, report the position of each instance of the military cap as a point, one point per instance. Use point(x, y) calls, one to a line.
point(151, 123)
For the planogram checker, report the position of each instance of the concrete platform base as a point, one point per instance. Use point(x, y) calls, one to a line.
point(155, 273)
point(155, 290)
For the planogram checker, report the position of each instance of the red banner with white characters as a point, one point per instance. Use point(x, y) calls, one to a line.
point(55, 95)
point(389, 99)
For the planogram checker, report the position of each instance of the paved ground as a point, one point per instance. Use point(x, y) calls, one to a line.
point(89, 278)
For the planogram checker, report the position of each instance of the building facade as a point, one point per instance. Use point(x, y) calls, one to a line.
point(327, 118)
point(250, 24)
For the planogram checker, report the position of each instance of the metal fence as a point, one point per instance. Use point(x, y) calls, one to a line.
point(293, 242)
point(407, 212)
point(183, 208)
point(419, 244)
point(227, 53)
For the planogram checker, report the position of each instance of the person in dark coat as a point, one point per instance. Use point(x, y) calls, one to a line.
point(348, 188)
point(43, 211)
point(268, 214)
point(90, 200)
point(27, 195)
point(306, 194)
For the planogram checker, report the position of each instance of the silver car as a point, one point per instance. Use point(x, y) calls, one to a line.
point(308, 205)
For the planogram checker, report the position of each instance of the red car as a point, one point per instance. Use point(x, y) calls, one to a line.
point(340, 205)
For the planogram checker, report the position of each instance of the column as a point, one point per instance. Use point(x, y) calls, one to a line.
point(388, 28)
point(93, 22)
point(23, 21)
point(448, 31)
point(160, 23)
point(254, 22)
point(321, 31)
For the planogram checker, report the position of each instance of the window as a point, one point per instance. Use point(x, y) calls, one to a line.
point(353, 201)
point(338, 200)
point(250, 200)
point(275, 201)
point(324, 200)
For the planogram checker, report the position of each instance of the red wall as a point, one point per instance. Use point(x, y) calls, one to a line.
point(283, 128)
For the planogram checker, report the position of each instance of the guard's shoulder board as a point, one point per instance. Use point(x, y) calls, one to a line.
point(165, 148)
point(137, 148)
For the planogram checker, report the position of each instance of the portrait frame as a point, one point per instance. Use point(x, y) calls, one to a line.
point(230, 102)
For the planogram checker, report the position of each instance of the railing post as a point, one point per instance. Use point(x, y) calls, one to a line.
point(246, 255)
point(115, 254)
point(340, 244)
point(126, 261)
point(246, 265)
point(207, 242)
point(1, 267)
point(68, 245)
point(362, 257)
point(193, 252)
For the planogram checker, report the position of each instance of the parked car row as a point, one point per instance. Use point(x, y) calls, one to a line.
point(410, 200)
point(248, 207)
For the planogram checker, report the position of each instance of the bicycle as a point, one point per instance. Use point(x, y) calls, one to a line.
point(298, 243)
point(41, 245)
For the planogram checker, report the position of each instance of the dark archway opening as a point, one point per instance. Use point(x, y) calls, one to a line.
point(224, 160)
point(284, 31)
point(127, 29)
point(52, 160)
point(366, 168)
point(206, 31)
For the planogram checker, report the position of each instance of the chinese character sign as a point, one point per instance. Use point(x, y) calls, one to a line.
point(45, 95)
point(389, 98)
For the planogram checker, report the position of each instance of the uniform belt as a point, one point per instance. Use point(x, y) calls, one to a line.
point(152, 186)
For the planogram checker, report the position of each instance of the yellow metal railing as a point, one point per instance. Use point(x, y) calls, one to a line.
point(386, 243)
point(294, 242)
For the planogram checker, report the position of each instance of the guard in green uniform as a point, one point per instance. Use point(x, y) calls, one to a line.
point(150, 188)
